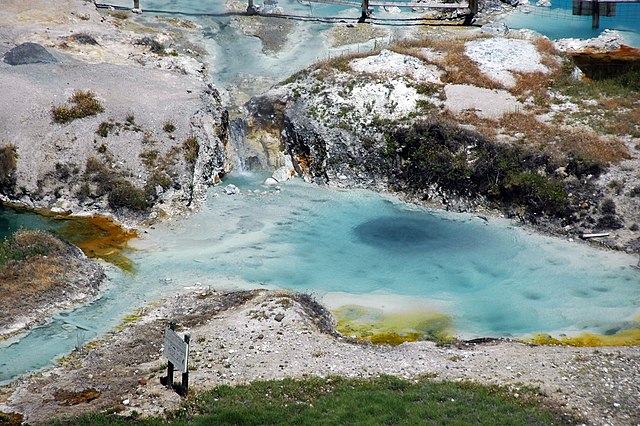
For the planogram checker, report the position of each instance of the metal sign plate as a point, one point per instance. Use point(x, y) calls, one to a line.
point(176, 350)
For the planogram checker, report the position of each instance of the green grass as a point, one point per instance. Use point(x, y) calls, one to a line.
point(336, 400)
point(190, 148)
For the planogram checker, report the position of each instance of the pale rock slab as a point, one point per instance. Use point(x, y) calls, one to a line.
point(487, 103)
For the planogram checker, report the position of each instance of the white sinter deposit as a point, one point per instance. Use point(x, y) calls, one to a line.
point(394, 64)
point(499, 58)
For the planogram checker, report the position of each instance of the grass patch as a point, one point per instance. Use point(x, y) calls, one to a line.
point(337, 400)
point(27, 243)
point(561, 140)
point(31, 262)
point(169, 127)
point(458, 67)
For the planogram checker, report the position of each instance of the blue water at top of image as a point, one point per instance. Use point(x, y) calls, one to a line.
point(557, 21)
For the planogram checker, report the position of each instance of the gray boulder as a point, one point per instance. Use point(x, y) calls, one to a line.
point(28, 53)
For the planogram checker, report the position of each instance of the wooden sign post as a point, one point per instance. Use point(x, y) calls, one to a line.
point(176, 350)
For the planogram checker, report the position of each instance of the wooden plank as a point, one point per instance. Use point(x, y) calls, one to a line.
point(420, 5)
point(595, 235)
point(395, 4)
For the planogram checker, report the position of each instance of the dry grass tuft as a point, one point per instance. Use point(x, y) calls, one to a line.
point(590, 145)
point(328, 67)
point(82, 104)
point(565, 140)
point(458, 67)
point(533, 85)
point(526, 129)
point(31, 262)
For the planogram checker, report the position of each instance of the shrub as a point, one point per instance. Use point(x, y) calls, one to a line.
point(191, 147)
point(169, 127)
point(82, 104)
point(608, 207)
point(609, 220)
point(124, 194)
point(8, 164)
point(104, 128)
point(465, 164)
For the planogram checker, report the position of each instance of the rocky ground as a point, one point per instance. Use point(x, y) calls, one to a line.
point(159, 132)
point(243, 336)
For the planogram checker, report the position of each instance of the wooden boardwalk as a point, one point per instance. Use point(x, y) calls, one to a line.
point(433, 5)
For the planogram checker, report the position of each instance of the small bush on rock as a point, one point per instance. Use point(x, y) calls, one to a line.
point(124, 194)
point(8, 164)
point(191, 147)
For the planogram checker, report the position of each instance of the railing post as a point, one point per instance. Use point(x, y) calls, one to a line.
point(184, 388)
point(136, 6)
point(473, 11)
point(365, 11)
point(251, 8)
point(595, 14)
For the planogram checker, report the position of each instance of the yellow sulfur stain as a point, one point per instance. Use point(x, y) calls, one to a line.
point(374, 325)
point(629, 337)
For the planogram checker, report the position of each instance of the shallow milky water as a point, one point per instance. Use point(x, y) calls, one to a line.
point(407, 267)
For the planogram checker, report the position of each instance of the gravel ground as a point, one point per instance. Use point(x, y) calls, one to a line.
point(244, 336)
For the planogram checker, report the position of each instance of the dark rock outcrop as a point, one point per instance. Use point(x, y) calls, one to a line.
point(29, 53)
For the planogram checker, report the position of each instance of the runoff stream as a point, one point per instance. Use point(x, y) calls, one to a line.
point(372, 259)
